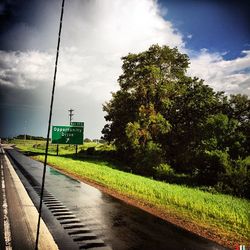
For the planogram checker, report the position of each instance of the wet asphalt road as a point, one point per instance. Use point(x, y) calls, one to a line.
point(118, 224)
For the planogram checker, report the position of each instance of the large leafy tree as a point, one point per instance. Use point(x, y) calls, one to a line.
point(239, 108)
point(160, 115)
point(137, 113)
point(187, 112)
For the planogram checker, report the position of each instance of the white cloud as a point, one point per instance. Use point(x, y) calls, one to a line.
point(117, 26)
point(24, 69)
point(95, 35)
point(231, 76)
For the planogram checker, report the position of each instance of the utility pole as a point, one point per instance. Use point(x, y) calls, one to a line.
point(25, 130)
point(70, 120)
point(70, 115)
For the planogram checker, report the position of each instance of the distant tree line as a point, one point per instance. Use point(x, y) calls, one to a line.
point(165, 123)
point(29, 137)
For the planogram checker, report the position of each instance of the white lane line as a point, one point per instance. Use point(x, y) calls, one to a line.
point(7, 232)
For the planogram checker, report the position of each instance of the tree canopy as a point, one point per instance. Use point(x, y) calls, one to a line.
point(162, 116)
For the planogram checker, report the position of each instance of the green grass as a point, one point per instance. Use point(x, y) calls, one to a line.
point(37, 146)
point(225, 211)
point(228, 214)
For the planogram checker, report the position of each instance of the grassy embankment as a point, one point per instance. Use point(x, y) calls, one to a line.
point(223, 215)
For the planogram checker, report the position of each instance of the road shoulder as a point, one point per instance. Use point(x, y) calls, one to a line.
point(23, 215)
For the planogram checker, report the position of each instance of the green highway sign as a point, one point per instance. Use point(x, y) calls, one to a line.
point(67, 135)
point(80, 124)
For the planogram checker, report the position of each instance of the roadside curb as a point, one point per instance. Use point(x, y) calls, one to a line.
point(29, 211)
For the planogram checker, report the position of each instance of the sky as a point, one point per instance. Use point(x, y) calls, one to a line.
point(95, 35)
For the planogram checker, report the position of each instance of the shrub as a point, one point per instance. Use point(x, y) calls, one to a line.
point(213, 164)
point(87, 140)
point(90, 150)
point(163, 171)
point(146, 159)
point(236, 182)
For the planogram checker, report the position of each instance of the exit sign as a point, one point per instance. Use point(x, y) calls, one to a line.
point(80, 124)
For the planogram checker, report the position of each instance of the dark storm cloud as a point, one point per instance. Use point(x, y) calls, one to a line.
point(15, 108)
point(9, 97)
point(21, 22)
point(11, 14)
point(95, 35)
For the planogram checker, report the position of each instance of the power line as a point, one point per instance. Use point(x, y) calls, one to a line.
point(49, 125)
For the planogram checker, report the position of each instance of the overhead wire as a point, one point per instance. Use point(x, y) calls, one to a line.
point(49, 125)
